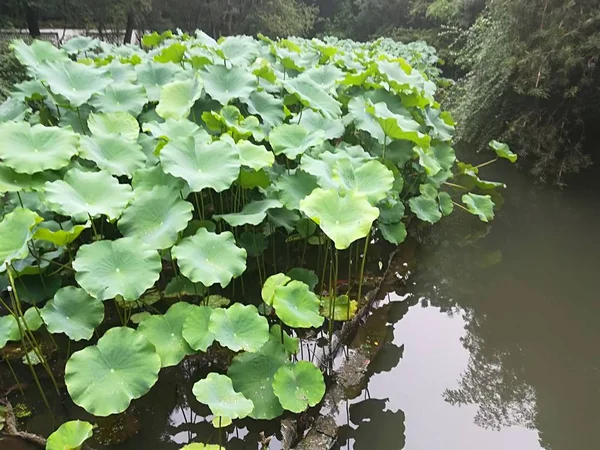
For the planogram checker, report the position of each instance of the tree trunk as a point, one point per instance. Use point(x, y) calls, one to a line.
point(31, 17)
point(129, 27)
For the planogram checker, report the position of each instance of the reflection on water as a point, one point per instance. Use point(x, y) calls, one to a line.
point(501, 349)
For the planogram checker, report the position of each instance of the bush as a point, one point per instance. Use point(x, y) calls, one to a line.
point(11, 71)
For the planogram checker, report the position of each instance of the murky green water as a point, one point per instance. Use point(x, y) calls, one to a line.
point(500, 350)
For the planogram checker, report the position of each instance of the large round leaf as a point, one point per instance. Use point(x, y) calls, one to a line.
point(93, 193)
point(255, 156)
point(104, 378)
point(252, 375)
point(268, 290)
point(60, 234)
point(217, 392)
point(210, 258)
point(480, 205)
point(195, 328)
point(9, 330)
point(38, 52)
point(425, 208)
point(239, 327)
point(202, 165)
point(114, 123)
point(268, 107)
point(125, 267)
point(113, 153)
point(156, 217)
point(15, 233)
point(121, 97)
point(73, 312)
point(293, 140)
point(371, 178)
point(146, 179)
point(178, 97)
point(311, 95)
point(165, 333)
point(343, 218)
point(153, 76)
point(70, 435)
point(225, 84)
point(31, 149)
point(295, 186)
point(252, 214)
point(298, 386)
point(297, 306)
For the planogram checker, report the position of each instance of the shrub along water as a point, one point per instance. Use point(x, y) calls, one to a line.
point(139, 180)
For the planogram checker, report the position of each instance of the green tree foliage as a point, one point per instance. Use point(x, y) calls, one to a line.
point(11, 71)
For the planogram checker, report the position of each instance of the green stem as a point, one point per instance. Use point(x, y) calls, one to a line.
point(362, 267)
point(80, 120)
point(487, 163)
point(20, 199)
point(12, 371)
point(324, 268)
point(461, 206)
point(457, 186)
point(96, 236)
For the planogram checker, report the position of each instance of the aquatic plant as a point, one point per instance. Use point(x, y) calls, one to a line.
point(141, 185)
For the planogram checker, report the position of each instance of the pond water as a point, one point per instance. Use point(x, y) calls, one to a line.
point(492, 344)
point(500, 343)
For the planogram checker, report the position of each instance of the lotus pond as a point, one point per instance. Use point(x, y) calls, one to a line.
point(210, 221)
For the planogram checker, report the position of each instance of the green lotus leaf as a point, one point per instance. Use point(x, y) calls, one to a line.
point(297, 306)
point(70, 436)
point(113, 153)
point(440, 128)
point(315, 122)
point(306, 227)
point(306, 276)
point(33, 292)
point(173, 53)
point(80, 44)
point(154, 75)
point(503, 151)
point(31, 149)
point(268, 107)
point(293, 140)
point(93, 193)
point(363, 120)
point(425, 208)
point(31, 320)
point(311, 95)
point(178, 97)
point(9, 330)
point(137, 318)
point(38, 52)
point(402, 76)
point(268, 290)
point(283, 217)
point(391, 213)
point(250, 179)
point(240, 50)
point(114, 123)
point(125, 267)
point(344, 219)
point(180, 285)
point(253, 213)
point(298, 386)
point(399, 126)
point(75, 82)
point(59, 234)
point(290, 343)
point(428, 161)
point(254, 156)
point(239, 327)
point(122, 73)
point(197, 446)
point(217, 392)
point(446, 205)
point(74, 313)
point(13, 110)
point(395, 233)
point(342, 308)
point(216, 301)
point(145, 180)
point(156, 217)
point(118, 97)
point(292, 187)
point(202, 165)
point(325, 76)
point(481, 206)
point(254, 243)
point(444, 155)
point(221, 422)
point(15, 234)
point(195, 328)
point(225, 84)
point(210, 258)
point(165, 333)
point(104, 378)
point(172, 128)
point(372, 178)
point(252, 375)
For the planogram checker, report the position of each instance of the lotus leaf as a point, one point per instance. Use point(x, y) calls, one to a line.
point(178, 97)
point(252, 375)
point(171, 129)
point(216, 301)
point(125, 267)
point(113, 153)
point(146, 179)
point(225, 84)
point(344, 219)
point(195, 328)
point(104, 378)
point(503, 151)
point(180, 285)
point(293, 140)
point(312, 96)
point(425, 208)
point(165, 333)
point(254, 156)
point(253, 213)
point(210, 258)
point(297, 306)
point(294, 187)
point(307, 276)
point(70, 436)
point(290, 343)
point(88, 193)
point(315, 122)
point(371, 178)
point(446, 205)
point(153, 76)
point(15, 233)
point(221, 422)
point(114, 123)
point(298, 386)
point(428, 161)
point(202, 165)
point(254, 243)
point(217, 392)
point(59, 234)
point(31, 149)
point(121, 97)
point(271, 283)
point(9, 330)
point(268, 107)
point(480, 205)
point(394, 233)
point(239, 327)
point(73, 312)
point(38, 52)
point(343, 308)
point(156, 217)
